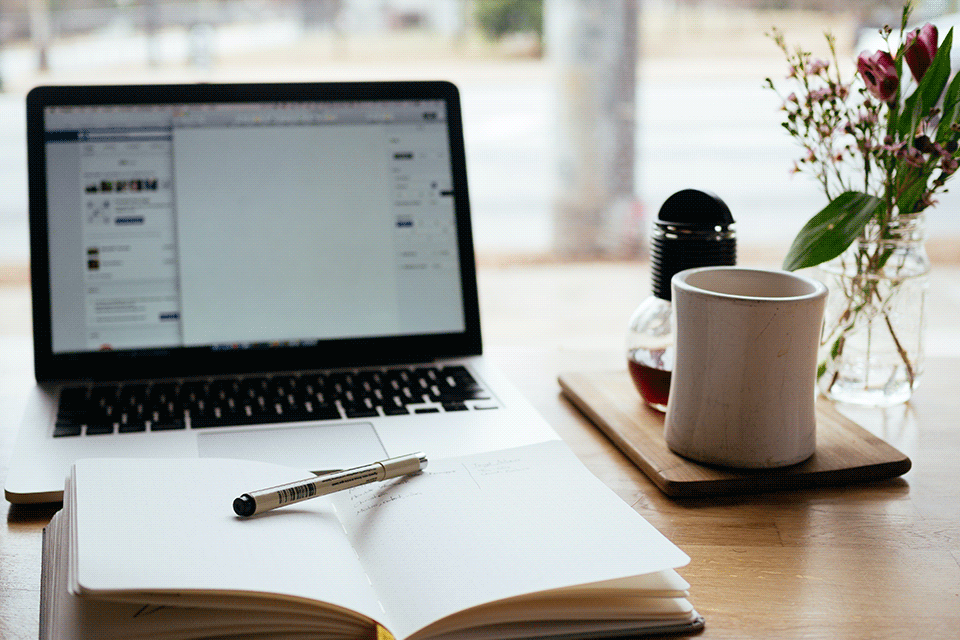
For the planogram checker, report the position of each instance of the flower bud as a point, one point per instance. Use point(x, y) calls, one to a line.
point(920, 49)
point(879, 72)
point(924, 144)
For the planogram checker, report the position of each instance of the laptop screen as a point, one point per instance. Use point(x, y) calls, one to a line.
point(262, 220)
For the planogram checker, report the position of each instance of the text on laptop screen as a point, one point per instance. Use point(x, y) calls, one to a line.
point(250, 224)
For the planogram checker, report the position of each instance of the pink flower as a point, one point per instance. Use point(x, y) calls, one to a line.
point(926, 200)
point(818, 95)
point(948, 166)
point(817, 66)
point(920, 49)
point(912, 156)
point(880, 73)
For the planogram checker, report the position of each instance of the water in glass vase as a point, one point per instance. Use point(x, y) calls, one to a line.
point(872, 347)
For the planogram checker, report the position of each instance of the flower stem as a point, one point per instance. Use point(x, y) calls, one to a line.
point(903, 352)
point(862, 291)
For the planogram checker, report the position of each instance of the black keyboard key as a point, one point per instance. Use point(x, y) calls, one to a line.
point(99, 429)
point(61, 430)
point(426, 410)
point(456, 384)
point(267, 413)
point(464, 393)
point(222, 418)
point(327, 412)
point(73, 400)
point(160, 394)
point(360, 408)
point(286, 411)
point(204, 422)
point(132, 427)
point(103, 396)
point(252, 387)
point(193, 391)
point(131, 395)
point(168, 424)
point(127, 420)
point(302, 415)
point(354, 412)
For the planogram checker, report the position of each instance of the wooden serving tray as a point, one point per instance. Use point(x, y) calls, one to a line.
point(846, 452)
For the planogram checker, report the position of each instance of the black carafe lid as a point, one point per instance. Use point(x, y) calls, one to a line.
point(693, 229)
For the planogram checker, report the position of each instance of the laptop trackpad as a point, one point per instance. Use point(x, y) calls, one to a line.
point(315, 448)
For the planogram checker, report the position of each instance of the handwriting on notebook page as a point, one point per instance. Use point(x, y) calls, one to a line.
point(370, 497)
point(479, 474)
point(499, 466)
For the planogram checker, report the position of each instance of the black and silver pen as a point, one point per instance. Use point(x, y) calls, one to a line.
point(255, 502)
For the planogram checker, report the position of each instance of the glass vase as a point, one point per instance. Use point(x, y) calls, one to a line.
point(872, 345)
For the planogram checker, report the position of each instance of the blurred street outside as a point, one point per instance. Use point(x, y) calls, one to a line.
point(704, 118)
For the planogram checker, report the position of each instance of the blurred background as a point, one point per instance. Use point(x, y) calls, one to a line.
point(581, 116)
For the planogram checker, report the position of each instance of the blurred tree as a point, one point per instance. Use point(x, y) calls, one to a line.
point(497, 18)
point(40, 31)
point(594, 47)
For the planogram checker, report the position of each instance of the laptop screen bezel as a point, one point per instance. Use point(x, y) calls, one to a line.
point(199, 361)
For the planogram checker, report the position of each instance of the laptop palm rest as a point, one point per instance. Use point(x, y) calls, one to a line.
point(316, 447)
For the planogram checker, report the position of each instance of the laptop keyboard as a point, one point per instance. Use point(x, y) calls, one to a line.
point(223, 402)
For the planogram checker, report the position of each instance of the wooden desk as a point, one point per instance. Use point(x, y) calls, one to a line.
point(871, 561)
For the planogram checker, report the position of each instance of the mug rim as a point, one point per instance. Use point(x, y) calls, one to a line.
point(818, 289)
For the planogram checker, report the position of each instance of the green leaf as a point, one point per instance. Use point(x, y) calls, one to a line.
point(910, 117)
point(836, 348)
point(951, 110)
point(908, 199)
point(936, 77)
point(832, 230)
point(928, 92)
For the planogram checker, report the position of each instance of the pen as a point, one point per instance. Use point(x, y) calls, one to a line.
point(266, 499)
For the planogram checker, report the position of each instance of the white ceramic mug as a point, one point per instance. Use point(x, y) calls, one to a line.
point(743, 386)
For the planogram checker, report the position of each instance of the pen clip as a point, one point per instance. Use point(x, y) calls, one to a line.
point(323, 472)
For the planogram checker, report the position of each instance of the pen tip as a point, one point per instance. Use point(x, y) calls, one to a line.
point(244, 506)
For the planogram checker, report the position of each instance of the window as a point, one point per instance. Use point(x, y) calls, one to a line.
point(577, 127)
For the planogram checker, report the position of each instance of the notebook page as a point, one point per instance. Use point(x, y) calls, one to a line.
point(67, 617)
point(490, 526)
point(153, 525)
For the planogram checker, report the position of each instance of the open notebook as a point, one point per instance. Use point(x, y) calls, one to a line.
point(521, 543)
point(278, 272)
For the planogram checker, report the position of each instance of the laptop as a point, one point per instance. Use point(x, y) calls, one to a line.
point(278, 272)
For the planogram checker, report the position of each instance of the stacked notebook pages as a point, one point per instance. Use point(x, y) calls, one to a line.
point(520, 543)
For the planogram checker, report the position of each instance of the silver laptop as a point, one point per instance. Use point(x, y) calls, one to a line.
point(281, 272)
